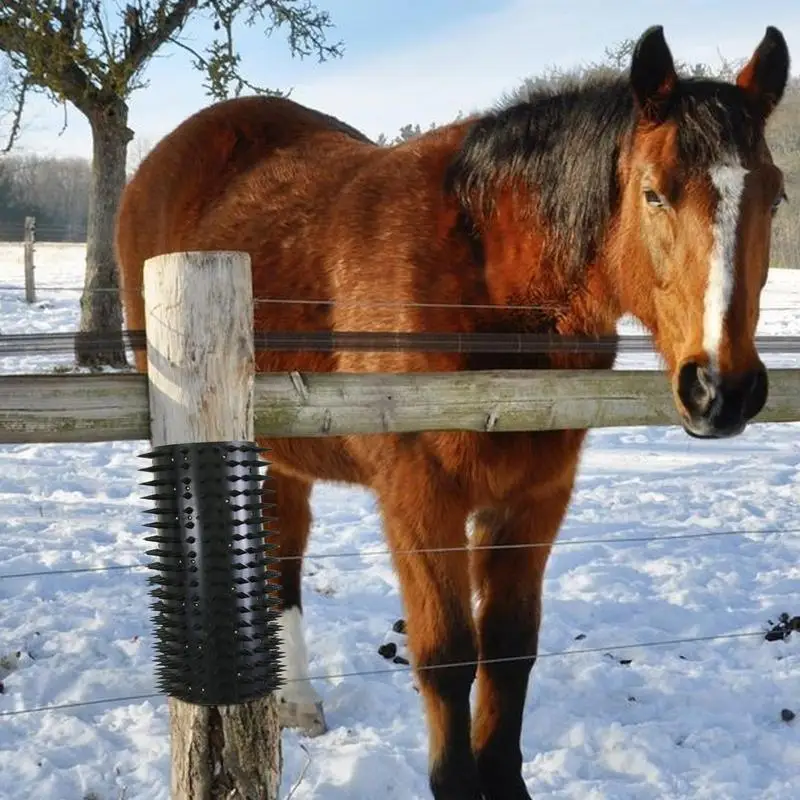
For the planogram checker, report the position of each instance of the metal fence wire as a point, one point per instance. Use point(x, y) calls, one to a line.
point(646, 540)
point(326, 341)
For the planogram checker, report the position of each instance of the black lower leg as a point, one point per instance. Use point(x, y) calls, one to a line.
point(502, 687)
point(453, 772)
point(510, 585)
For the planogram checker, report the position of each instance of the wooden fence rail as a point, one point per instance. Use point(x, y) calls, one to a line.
point(114, 407)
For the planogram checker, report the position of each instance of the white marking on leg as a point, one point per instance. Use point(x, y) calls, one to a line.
point(295, 655)
point(299, 704)
point(728, 180)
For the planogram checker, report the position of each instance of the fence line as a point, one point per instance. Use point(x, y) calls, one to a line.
point(425, 667)
point(15, 227)
point(167, 405)
point(445, 550)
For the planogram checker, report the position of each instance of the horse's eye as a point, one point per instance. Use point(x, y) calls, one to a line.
point(653, 198)
point(778, 200)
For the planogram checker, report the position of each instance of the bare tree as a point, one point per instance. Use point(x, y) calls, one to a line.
point(93, 56)
point(410, 131)
point(615, 62)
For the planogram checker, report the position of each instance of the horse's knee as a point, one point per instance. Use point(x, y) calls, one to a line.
point(455, 777)
point(449, 669)
point(511, 633)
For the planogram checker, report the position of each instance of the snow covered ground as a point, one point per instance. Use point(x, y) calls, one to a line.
point(696, 720)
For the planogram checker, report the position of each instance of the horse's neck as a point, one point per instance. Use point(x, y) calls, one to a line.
point(541, 294)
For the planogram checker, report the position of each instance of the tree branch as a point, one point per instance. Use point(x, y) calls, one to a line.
point(16, 118)
point(165, 25)
point(306, 24)
point(70, 49)
point(203, 63)
point(67, 79)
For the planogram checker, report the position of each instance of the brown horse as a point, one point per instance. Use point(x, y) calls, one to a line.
point(650, 194)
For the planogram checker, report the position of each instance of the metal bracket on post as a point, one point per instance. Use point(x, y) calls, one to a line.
point(214, 599)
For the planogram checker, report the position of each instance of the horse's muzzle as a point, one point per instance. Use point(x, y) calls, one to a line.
point(719, 406)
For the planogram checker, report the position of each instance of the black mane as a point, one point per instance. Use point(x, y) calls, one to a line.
point(564, 144)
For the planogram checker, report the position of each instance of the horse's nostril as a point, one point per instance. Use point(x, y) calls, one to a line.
point(697, 389)
point(706, 389)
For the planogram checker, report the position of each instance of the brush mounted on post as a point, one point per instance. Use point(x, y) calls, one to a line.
point(213, 601)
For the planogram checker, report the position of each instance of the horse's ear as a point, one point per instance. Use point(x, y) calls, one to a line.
point(653, 76)
point(765, 75)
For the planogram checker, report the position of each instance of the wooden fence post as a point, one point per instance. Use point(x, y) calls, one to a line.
point(28, 242)
point(201, 368)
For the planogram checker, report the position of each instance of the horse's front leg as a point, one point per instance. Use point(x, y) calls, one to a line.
point(510, 586)
point(420, 514)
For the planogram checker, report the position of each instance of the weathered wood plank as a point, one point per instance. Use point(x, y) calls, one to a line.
point(201, 390)
point(90, 408)
point(338, 404)
point(73, 408)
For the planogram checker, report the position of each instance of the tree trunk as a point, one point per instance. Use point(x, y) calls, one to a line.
point(99, 341)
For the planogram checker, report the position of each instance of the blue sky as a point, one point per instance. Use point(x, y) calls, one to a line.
point(426, 60)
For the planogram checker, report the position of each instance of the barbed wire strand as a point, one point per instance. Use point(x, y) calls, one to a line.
point(301, 777)
point(442, 550)
point(421, 668)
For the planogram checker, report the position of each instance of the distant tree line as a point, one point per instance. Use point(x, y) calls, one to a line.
point(54, 190)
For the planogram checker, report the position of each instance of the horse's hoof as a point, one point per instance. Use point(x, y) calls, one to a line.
point(307, 717)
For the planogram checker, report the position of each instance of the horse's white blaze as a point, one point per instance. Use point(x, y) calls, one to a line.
point(728, 180)
point(297, 687)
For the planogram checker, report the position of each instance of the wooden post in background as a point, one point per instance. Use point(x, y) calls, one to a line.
point(28, 242)
point(201, 371)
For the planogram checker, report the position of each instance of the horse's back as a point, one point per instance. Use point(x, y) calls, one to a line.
point(193, 168)
point(239, 175)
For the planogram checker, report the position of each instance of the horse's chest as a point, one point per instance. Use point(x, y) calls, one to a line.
point(497, 467)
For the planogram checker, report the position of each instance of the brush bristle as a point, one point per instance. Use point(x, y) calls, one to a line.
point(214, 600)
